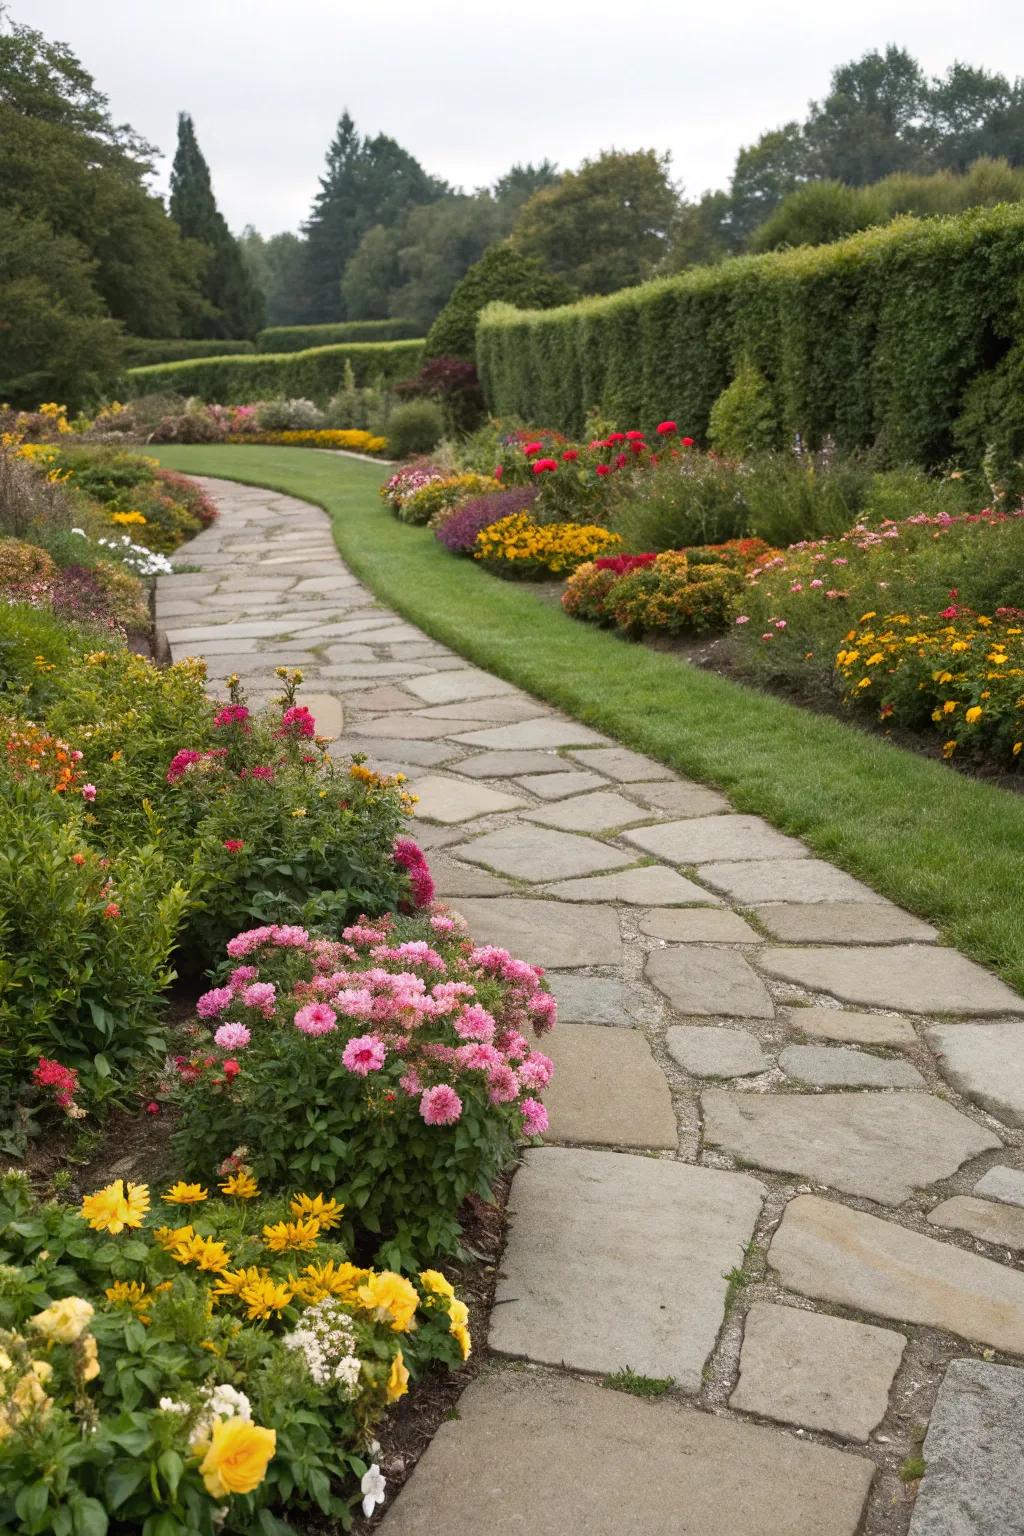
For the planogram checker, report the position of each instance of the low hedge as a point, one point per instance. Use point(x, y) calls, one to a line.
point(299, 338)
point(877, 338)
point(315, 374)
point(142, 351)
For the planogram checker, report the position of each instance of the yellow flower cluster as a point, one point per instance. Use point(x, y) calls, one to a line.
point(115, 1207)
point(128, 519)
point(517, 540)
point(350, 439)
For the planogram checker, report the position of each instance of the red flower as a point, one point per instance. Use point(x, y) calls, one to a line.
point(232, 714)
point(634, 437)
point(544, 466)
point(616, 437)
point(152, 1108)
point(598, 442)
point(687, 442)
point(234, 844)
point(952, 612)
point(78, 858)
point(571, 455)
point(604, 469)
point(112, 909)
point(499, 470)
point(532, 448)
point(637, 447)
point(665, 427)
point(621, 461)
point(231, 1068)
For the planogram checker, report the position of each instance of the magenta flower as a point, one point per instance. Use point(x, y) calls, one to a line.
point(363, 1054)
point(440, 1105)
point(213, 1003)
point(261, 995)
point(503, 1085)
point(241, 976)
point(535, 1117)
point(316, 1019)
point(89, 792)
point(232, 1037)
point(475, 1023)
point(231, 714)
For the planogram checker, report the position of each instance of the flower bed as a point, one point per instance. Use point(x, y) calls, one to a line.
point(680, 591)
point(517, 545)
point(193, 1362)
point(348, 440)
point(418, 497)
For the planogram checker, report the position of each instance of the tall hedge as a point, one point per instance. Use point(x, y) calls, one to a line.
point(316, 374)
point(875, 339)
point(141, 351)
point(299, 338)
point(501, 274)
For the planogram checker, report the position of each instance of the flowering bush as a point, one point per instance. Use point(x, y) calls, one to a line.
point(190, 1363)
point(349, 440)
point(420, 505)
point(588, 589)
point(518, 546)
point(671, 595)
point(458, 526)
point(393, 1062)
point(406, 481)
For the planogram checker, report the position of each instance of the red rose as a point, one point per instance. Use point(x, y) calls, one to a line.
point(665, 427)
point(687, 442)
point(544, 466)
point(616, 437)
point(634, 437)
point(604, 469)
point(533, 448)
point(570, 455)
point(636, 447)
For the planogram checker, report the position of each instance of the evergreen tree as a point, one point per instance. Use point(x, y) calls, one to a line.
point(235, 302)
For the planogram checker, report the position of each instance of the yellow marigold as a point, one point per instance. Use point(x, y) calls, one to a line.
point(327, 1213)
point(206, 1253)
point(184, 1194)
point(63, 1321)
point(131, 1294)
point(116, 1206)
point(300, 1235)
point(398, 1379)
point(238, 1457)
point(242, 1185)
point(974, 714)
point(264, 1296)
point(390, 1298)
point(128, 519)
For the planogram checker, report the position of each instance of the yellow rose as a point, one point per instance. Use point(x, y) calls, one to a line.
point(433, 1280)
point(461, 1336)
point(64, 1320)
point(398, 1380)
point(237, 1459)
point(458, 1312)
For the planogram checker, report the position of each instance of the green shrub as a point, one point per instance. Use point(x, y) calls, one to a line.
point(415, 427)
point(587, 592)
point(993, 416)
point(695, 499)
point(876, 337)
point(744, 419)
point(299, 338)
point(35, 649)
point(800, 495)
point(142, 351)
point(316, 374)
point(502, 273)
point(668, 597)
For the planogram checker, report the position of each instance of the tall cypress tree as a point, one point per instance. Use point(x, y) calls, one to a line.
point(236, 305)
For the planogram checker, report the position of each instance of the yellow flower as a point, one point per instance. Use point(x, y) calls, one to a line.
point(242, 1185)
point(237, 1459)
point(974, 714)
point(64, 1320)
point(326, 1212)
point(433, 1280)
point(463, 1340)
point(234, 1281)
point(948, 748)
point(131, 1294)
point(458, 1312)
point(398, 1380)
point(116, 1206)
point(300, 812)
point(300, 1235)
point(128, 519)
point(390, 1298)
point(204, 1252)
point(170, 1237)
point(949, 707)
point(865, 682)
point(873, 661)
point(264, 1296)
point(185, 1194)
point(329, 1279)
point(90, 1359)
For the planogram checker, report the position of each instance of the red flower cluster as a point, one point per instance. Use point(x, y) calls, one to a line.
point(544, 466)
point(63, 1080)
point(621, 564)
point(234, 844)
point(297, 723)
point(409, 856)
point(232, 714)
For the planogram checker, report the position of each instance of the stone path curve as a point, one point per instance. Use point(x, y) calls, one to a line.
point(785, 1159)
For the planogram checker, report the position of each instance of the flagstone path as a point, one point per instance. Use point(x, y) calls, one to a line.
point(785, 1160)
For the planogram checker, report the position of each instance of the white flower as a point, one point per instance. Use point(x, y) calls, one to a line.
point(170, 1406)
point(372, 1489)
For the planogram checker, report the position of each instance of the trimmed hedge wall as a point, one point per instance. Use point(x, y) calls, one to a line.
point(299, 338)
point(316, 374)
point(141, 351)
point(877, 338)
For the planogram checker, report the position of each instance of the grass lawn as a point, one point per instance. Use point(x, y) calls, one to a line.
point(945, 847)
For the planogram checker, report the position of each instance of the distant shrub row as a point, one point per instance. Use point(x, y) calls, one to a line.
point(299, 338)
point(910, 336)
point(141, 351)
point(316, 374)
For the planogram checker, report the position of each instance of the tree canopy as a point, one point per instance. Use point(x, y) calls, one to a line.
point(234, 303)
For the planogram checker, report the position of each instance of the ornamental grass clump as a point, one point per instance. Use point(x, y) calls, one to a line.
point(201, 1358)
point(517, 545)
point(393, 1062)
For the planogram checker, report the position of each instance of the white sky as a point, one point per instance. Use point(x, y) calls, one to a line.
point(471, 87)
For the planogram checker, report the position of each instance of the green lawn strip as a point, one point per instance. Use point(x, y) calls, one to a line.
point(946, 847)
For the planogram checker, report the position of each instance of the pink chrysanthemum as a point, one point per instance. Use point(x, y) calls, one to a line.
point(241, 976)
point(213, 1003)
point(232, 1037)
point(440, 1105)
point(316, 1019)
point(364, 1054)
point(535, 1117)
point(475, 1023)
point(261, 995)
point(503, 1085)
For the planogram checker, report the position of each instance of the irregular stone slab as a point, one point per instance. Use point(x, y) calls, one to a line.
point(379, 701)
point(985, 1062)
point(545, 731)
point(555, 786)
point(361, 664)
point(547, 933)
point(974, 1454)
point(1005, 1184)
point(533, 853)
point(914, 978)
point(622, 764)
point(704, 839)
point(451, 879)
point(450, 800)
point(701, 1474)
point(844, 922)
point(844, 1256)
point(831, 1067)
point(699, 925)
point(582, 1223)
point(820, 1372)
point(708, 1050)
point(327, 711)
point(680, 798)
point(651, 883)
point(454, 687)
point(590, 999)
point(506, 709)
point(283, 626)
point(709, 981)
point(599, 812)
point(607, 1089)
point(851, 1027)
point(503, 765)
point(425, 754)
point(750, 882)
point(410, 727)
point(983, 1219)
point(881, 1145)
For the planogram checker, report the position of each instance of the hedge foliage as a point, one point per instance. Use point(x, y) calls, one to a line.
point(299, 338)
point(504, 274)
point(316, 374)
point(142, 351)
point(876, 339)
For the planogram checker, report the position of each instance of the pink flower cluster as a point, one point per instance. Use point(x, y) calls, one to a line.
point(232, 714)
point(63, 1080)
point(409, 856)
point(297, 724)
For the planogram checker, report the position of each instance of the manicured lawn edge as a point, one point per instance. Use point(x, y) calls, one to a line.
point(946, 847)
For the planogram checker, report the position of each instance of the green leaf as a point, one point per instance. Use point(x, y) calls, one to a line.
point(122, 1480)
point(89, 1518)
point(30, 1505)
point(171, 1467)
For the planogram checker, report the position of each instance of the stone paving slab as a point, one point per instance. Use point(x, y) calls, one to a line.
point(451, 879)
point(533, 1452)
point(698, 925)
point(586, 999)
point(622, 764)
point(450, 801)
point(607, 1089)
point(549, 932)
point(653, 883)
point(501, 765)
point(974, 1454)
point(556, 786)
point(821, 1372)
point(535, 854)
point(986, 1220)
point(708, 1050)
point(851, 1027)
point(880, 1145)
point(701, 980)
point(680, 798)
point(850, 921)
point(530, 735)
point(826, 1066)
point(839, 1255)
point(571, 1293)
point(508, 709)
point(707, 839)
point(753, 882)
point(912, 978)
point(452, 687)
point(1000, 1183)
point(986, 1063)
point(600, 812)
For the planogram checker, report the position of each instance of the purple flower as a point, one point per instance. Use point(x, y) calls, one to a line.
point(458, 532)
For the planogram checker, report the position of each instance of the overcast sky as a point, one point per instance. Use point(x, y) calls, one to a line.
point(471, 87)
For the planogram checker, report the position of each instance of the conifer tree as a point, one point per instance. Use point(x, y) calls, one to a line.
point(235, 303)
